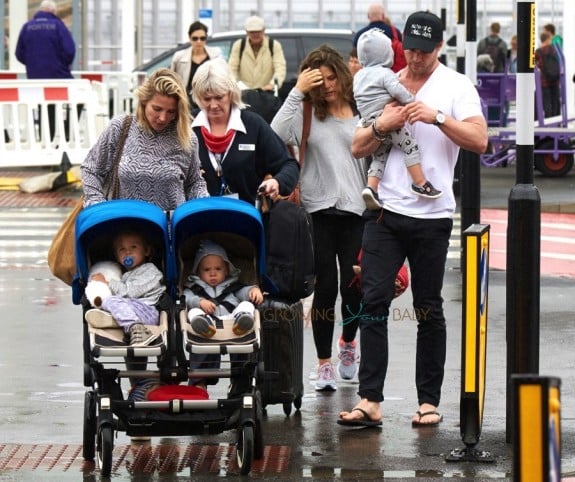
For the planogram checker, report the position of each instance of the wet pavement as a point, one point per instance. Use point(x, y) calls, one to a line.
point(41, 390)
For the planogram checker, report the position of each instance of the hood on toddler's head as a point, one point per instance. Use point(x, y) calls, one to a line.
point(374, 48)
point(207, 248)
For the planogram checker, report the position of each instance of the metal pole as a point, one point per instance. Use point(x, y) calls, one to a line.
point(3, 30)
point(77, 34)
point(460, 36)
point(460, 66)
point(443, 56)
point(524, 222)
point(470, 172)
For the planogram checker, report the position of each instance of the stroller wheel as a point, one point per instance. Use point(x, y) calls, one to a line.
point(245, 449)
point(287, 408)
point(297, 402)
point(105, 448)
point(90, 428)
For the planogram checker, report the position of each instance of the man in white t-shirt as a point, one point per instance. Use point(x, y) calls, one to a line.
point(445, 117)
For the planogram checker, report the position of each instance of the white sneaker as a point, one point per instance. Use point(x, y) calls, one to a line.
point(325, 378)
point(347, 366)
point(97, 318)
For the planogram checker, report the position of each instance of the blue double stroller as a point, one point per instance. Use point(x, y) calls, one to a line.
point(108, 358)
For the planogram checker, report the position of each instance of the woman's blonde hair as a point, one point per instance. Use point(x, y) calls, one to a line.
point(215, 78)
point(166, 82)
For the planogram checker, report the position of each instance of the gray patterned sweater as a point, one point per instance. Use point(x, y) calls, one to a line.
point(153, 167)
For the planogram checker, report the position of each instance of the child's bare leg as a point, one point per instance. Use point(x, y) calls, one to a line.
point(372, 182)
point(421, 186)
point(416, 174)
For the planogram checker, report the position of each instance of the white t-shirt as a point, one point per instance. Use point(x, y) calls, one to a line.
point(455, 95)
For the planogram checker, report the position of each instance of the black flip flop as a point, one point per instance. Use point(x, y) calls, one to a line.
point(419, 423)
point(364, 421)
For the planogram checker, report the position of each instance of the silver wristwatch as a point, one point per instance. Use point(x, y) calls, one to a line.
point(439, 118)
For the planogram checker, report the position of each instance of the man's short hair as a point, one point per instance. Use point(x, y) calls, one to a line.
point(48, 6)
point(550, 28)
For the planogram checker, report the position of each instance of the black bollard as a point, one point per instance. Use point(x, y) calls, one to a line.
point(524, 224)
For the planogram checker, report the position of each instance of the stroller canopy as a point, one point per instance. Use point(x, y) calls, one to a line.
point(220, 214)
point(97, 225)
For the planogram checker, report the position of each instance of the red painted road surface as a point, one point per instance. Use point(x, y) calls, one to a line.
point(557, 242)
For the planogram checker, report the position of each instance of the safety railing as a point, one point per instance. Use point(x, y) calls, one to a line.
point(41, 119)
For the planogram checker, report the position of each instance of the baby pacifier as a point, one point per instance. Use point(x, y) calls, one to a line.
point(128, 262)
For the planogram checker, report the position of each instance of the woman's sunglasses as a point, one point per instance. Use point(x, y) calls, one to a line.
point(195, 39)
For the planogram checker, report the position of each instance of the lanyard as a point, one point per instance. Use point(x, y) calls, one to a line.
point(217, 160)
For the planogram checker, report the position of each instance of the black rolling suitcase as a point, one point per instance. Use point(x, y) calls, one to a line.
point(281, 353)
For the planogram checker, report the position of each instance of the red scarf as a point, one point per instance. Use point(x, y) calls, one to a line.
point(217, 144)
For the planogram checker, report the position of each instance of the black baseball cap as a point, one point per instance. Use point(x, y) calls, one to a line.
point(423, 31)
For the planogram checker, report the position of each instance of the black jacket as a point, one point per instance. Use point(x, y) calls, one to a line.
point(250, 158)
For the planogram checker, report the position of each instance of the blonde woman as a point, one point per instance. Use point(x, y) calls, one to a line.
point(159, 162)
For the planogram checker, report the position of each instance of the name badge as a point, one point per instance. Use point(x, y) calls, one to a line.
point(247, 147)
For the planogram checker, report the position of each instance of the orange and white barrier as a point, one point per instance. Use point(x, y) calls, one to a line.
point(115, 89)
point(25, 121)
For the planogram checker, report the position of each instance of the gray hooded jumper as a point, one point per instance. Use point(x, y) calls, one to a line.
point(233, 298)
point(374, 86)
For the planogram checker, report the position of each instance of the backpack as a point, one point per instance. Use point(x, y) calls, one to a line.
point(243, 47)
point(492, 48)
point(289, 250)
point(550, 70)
point(264, 103)
point(399, 61)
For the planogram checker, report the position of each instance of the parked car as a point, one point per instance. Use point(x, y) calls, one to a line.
point(296, 43)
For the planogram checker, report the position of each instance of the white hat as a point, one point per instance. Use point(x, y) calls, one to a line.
point(255, 24)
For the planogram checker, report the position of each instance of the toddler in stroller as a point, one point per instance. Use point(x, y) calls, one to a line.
point(213, 289)
point(218, 314)
point(132, 304)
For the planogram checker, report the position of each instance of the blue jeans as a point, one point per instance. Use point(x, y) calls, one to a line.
point(387, 241)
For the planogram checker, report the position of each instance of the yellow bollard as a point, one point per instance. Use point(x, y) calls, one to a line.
point(536, 428)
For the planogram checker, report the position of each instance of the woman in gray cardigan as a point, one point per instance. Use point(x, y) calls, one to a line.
point(331, 181)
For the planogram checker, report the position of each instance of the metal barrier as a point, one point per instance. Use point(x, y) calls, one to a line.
point(41, 119)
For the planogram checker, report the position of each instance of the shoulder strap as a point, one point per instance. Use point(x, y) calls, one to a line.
point(221, 298)
point(114, 184)
point(243, 46)
point(305, 130)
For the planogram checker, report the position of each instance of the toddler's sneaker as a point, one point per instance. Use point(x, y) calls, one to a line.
point(203, 326)
point(371, 199)
point(325, 378)
point(140, 335)
point(243, 323)
point(347, 366)
point(97, 318)
point(427, 190)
